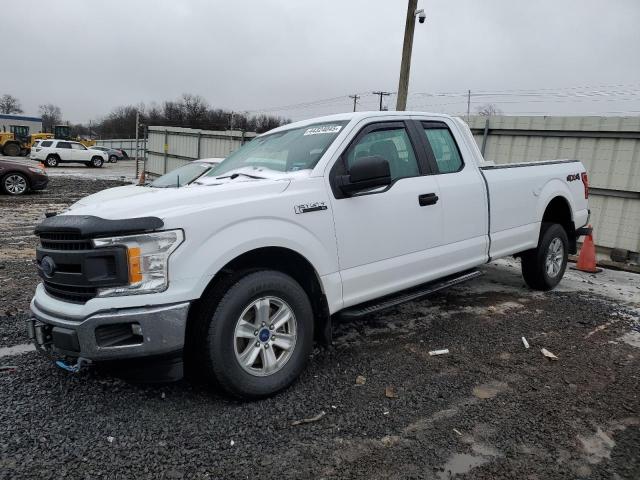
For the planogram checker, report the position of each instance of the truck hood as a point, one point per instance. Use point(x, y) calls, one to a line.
point(138, 201)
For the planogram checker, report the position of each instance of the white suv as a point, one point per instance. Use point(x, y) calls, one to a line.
point(54, 152)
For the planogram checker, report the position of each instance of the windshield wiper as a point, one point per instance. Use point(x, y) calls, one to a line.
point(236, 175)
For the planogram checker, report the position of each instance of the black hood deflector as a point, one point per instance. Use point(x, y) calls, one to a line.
point(88, 226)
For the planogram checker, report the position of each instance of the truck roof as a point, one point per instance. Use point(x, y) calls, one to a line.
point(356, 116)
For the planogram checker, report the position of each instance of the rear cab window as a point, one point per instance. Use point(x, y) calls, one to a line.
point(442, 147)
point(63, 145)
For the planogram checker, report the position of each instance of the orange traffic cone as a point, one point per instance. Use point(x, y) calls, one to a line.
point(142, 178)
point(587, 258)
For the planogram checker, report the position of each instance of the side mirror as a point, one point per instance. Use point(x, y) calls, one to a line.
point(365, 173)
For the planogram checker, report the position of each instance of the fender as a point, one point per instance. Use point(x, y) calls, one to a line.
point(552, 189)
point(240, 237)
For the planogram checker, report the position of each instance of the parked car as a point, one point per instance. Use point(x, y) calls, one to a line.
point(114, 154)
point(334, 217)
point(187, 174)
point(54, 152)
point(17, 178)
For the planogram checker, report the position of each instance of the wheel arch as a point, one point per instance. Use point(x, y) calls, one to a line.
point(558, 210)
point(287, 261)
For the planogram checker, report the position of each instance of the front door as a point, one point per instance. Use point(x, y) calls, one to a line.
point(383, 236)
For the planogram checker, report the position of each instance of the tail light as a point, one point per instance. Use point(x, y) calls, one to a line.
point(585, 182)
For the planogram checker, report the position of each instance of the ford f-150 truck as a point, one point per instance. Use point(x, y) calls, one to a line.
point(341, 216)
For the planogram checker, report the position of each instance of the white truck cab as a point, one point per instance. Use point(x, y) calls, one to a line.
point(334, 217)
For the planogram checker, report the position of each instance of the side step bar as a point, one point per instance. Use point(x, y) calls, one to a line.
point(409, 295)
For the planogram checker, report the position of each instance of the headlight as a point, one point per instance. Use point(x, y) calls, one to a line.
point(148, 258)
point(41, 171)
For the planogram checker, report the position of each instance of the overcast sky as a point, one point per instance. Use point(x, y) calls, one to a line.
point(88, 56)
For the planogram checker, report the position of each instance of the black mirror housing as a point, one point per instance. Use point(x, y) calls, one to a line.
point(365, 173)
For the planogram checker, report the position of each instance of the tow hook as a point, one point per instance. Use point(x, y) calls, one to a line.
point(81, 364)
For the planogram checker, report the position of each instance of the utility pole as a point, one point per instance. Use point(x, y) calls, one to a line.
point(355, 97)
point(468, 104)
point(137, 139)
point(405, 66)
point(381, 94)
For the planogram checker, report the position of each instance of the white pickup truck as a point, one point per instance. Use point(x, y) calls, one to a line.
point(333, 217)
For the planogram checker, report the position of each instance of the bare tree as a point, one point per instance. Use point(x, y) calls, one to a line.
point(10, 104)
point(488, 110)
point(51, 115)
point(195, 109)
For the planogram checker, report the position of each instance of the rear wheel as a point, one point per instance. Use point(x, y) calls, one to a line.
point(544, 266)
point(258, 337)
point(52, 161)
point(15, 184)
point(12, 149)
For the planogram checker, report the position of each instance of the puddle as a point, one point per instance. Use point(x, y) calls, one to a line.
point(489, 390)
point(597, 447)
point(16, 350)
point(460, 463)
point(631, 338)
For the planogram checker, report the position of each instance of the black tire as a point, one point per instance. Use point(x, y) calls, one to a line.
point(12, 150)
point(52, 161)
point(113, 159)
point(96, 162)
point(220, 313)
point(534, 262)
point(15, 184)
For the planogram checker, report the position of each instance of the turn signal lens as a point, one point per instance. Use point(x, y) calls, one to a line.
point(133, 256)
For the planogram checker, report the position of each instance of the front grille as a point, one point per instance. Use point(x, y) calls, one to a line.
point(73, 271)
point(70, 293)
point(64, 241)
point(67, 242)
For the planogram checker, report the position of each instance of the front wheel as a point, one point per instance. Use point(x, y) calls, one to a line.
point(113, 159)
point(544, 266)
point(15, 184)
point(97, 162)
point(258, 336)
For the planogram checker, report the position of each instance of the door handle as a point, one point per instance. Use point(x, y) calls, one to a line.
point(427, 199)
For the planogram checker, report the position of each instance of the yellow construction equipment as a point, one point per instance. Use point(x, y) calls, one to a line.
point(10, 145)
point(63, 132)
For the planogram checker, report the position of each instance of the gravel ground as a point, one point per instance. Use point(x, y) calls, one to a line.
point(489, 409)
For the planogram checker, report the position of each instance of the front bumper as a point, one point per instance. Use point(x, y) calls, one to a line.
point(39, 182)
point(111, 335)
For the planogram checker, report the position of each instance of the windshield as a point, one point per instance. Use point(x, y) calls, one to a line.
point(185, 175)
point(286, 151)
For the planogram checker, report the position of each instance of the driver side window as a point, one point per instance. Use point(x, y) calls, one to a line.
point(391, 144)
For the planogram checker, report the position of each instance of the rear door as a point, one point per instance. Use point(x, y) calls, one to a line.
point(80, 153)
point(63, 149)
point(463, 194)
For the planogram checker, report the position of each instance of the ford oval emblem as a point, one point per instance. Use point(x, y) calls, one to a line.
point(48, 266)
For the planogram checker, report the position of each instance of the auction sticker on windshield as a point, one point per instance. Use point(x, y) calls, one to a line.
point(323, 129)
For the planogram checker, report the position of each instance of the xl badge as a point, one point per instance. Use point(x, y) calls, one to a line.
point(310, 207)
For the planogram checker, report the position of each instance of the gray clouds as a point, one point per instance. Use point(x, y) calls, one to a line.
point(89, 56)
